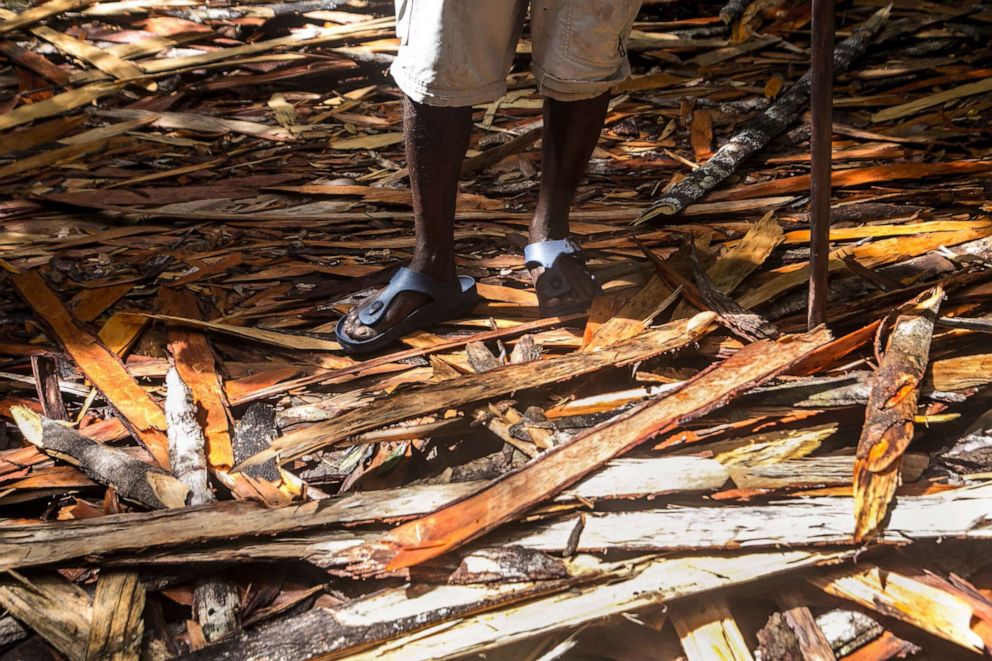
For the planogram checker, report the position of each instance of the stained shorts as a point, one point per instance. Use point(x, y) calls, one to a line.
point(458, 52)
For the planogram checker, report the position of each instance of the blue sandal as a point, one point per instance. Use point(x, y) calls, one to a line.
point(552, 282)
point(447, 302)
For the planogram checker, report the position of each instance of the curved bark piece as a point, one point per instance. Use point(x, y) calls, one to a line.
point(888, 427)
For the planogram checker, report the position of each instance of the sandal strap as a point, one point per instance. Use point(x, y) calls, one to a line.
point(551, 283)
point(545, 253)
point(445, 295)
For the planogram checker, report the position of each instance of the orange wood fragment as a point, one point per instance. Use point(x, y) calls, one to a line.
point(102, 367)
point(701, 134)
point(94, 302)
point(196, 366)
point(829, 354)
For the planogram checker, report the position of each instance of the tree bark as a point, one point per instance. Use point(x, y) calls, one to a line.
point(891, 409)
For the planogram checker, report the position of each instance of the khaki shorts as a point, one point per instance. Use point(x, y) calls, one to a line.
point(458, 52)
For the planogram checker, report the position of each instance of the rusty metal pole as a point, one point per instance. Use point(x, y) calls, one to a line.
point(821, 124)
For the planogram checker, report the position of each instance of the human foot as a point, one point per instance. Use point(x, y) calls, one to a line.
point(410, 302)
point(402, 306)
point(563, 282)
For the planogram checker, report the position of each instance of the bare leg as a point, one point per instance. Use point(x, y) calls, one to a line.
point(571, 130)
point(436, 141)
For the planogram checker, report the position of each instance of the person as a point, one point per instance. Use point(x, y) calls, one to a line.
point(453, 55)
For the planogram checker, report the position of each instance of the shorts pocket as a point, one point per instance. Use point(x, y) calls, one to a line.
point(595, 30)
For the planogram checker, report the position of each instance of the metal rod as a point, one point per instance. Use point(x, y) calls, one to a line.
point(821, 125)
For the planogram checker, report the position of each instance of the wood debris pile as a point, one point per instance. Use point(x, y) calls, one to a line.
point(191, 195)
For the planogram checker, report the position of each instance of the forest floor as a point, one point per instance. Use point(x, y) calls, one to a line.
point(192, 195)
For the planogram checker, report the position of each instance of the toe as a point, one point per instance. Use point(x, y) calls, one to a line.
point(360, 332)
point(404, 304)
point(352, 327)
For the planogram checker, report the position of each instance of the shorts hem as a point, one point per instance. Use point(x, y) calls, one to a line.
point(427, 94)
point(561, 89)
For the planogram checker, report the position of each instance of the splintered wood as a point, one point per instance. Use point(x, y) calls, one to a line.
point(517, 492)
point(190, 467)
point(891, 412)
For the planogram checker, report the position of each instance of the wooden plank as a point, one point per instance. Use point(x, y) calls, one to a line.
point(121, 533)
point(658, 582)
point(813, 644)
point(816, 471)
point(117, 627)
point(917, 597)
point(55, 609)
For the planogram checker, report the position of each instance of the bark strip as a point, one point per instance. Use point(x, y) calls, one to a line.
point(486, 617)
point(918, 597)
point(812, 643)
point(35, 544)
point(798, 523)
point(54, 608)
point(708, 630)
point(103, 368)
point(195, 363)
point(891, 409)
point(117, 626)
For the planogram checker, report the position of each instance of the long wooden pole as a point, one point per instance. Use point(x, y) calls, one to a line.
point(821, 122)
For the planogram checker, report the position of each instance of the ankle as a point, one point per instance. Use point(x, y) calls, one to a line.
point(436, 266)
point(542, 231)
